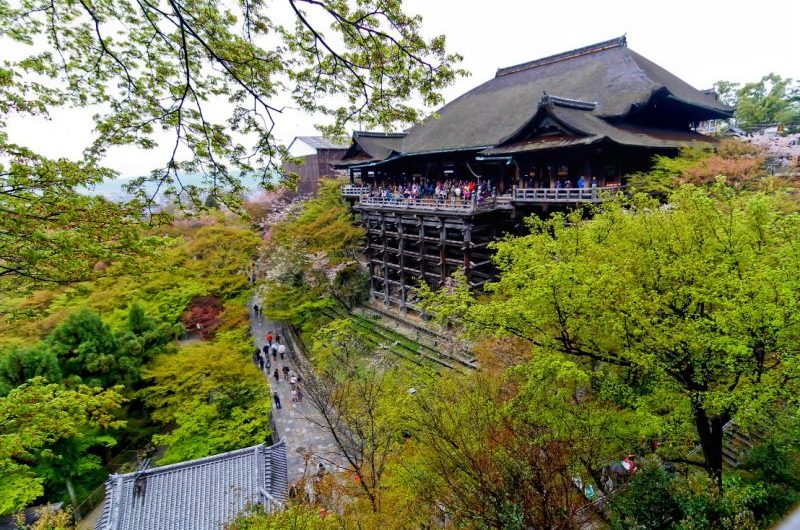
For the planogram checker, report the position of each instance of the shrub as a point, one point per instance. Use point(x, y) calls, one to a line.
point(203, 315)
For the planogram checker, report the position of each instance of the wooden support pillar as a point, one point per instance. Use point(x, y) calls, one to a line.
point(385, 262)
point(422, 264)
point(401, 251)
point(442, 251)
point(467, 231)
point(493, 237)
point(370, 251)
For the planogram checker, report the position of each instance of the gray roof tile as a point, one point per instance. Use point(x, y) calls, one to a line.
point(201, 494)
point(319, 142)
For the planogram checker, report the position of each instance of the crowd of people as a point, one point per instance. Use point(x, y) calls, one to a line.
point(267, 357)
point(443, 192)
point(580, 183)
point(453, 192)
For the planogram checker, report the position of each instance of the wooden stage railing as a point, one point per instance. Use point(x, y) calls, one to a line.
point(541, 195)
point(355, 191)
point(517, 196)
point(449, 205)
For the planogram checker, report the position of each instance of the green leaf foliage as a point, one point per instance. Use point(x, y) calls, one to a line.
point(309, 259)
point(106, 332)
point(215, 77)
point(40, 420)
point(88, 349)
point(686, 313)
point(294, 517)
point(19, 364)
point(770, 100)
point(51, 232)
point(218, 400)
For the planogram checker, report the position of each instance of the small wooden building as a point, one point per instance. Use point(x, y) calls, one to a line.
point(317, 155)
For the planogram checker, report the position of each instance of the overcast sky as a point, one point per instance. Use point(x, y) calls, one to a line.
point(701, 41)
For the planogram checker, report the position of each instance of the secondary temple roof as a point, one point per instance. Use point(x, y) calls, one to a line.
point(579, 126)
point(607, 82)
point(201, 494)
point(368, 146)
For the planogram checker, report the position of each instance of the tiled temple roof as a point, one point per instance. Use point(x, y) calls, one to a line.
point(202, 494)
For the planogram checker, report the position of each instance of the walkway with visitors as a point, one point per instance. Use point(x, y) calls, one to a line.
point(294, 421)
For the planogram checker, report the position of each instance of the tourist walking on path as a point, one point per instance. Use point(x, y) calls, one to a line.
point(277, 399)
point(281, 350)
point(299, 424)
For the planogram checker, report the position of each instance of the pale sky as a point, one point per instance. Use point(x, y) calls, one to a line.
point(700, 41)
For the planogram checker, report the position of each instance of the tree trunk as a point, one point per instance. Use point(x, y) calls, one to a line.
point(711, 433)
point(73, 498)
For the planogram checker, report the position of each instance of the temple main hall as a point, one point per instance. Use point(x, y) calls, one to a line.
point(547, 134)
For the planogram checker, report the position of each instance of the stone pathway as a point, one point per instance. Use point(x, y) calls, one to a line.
point(294, 422)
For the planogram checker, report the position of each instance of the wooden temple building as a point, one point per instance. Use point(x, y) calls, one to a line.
point(549, 133)
point(312, 157)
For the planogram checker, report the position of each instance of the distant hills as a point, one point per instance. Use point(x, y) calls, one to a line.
point(115, 189)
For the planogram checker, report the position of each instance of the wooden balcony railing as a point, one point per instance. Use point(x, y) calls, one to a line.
point(538, 195)
point(429, 204)
point(518, 196)
point(355, 191)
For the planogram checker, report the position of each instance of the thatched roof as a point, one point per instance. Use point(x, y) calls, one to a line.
point(370, 146)
point(617, 82)
point(580, 126)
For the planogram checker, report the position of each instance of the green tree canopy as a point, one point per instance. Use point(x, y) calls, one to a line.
point(215, 77)
point(294, 517)
point(142, 338)
point(309, 261)
point(217, 400)
point(770, 100)
point(19, 364)
point(35, 420)
point(686, 309)
point(489, 462)
point(87, 348)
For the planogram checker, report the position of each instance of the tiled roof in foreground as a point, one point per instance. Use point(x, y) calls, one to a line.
point(201, 494)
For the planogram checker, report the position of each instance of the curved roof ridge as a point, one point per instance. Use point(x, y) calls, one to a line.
point(618, 42)
point(677, 87)
point(549, 99)
point(379, 134)
point(197, 462)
